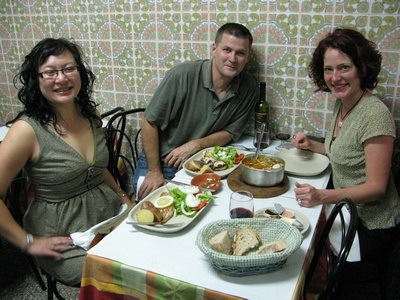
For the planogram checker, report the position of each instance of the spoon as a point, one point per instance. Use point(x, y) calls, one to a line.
point(259, 140)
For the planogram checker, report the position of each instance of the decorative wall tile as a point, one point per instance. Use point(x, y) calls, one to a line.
point(131, 44)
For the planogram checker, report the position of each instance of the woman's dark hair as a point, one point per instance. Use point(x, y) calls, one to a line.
point(361, 51)
point(35, 104)
point(235, 29)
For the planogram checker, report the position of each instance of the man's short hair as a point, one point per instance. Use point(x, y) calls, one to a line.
point(235, 29)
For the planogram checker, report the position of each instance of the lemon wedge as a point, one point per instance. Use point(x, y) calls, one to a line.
point(164, 201)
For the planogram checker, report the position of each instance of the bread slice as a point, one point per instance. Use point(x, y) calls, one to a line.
point(245, 239)
point(272, 247)
point(221, 242)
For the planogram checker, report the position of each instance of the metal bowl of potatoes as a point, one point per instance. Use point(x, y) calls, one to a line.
point(265, 171)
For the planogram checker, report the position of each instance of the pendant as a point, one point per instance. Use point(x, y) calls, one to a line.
point(340, 124)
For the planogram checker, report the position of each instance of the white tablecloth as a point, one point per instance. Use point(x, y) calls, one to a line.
point(176, 255)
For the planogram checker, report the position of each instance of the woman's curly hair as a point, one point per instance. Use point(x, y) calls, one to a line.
point(35, 104)
point(361, 51)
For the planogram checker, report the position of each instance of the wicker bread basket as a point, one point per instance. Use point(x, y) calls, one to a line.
point(251, 264)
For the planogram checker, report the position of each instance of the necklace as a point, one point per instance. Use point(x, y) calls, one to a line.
point(340, 123)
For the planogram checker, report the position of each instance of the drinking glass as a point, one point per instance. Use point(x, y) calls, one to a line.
point(283, 134)
point(264, 139)
point(241, 205)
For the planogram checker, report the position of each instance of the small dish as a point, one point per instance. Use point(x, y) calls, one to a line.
point(299, 216)
point(210, 181)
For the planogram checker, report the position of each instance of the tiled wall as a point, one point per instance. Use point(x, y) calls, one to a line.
point(130, 44)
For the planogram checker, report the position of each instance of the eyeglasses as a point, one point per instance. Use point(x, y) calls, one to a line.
point(52, 74)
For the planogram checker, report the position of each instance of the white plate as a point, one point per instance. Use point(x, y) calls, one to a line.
point(199, 155)
point(152, 197)
point(303, 163)
point(299, 216)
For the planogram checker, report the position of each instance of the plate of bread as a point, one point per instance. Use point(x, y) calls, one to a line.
point(170, 208)
point(218, 160)
point(249, 246)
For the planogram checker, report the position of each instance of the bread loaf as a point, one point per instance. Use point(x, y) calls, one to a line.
point(272, 247)
point(245, 239)
point(221, 242)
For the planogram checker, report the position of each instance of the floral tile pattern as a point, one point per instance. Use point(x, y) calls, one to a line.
point(131, 44)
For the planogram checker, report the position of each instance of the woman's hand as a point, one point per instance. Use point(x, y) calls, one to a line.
point(306, 195)
point(300, 141)
point(52, 246)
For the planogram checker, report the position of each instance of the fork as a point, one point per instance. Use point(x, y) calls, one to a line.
point(155, 224)
point(241, 147)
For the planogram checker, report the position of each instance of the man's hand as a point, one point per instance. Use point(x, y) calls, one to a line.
point(179, 155)
point(152, 181)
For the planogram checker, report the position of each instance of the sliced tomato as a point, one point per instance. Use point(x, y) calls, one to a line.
point(238, 158)
point(200, 206)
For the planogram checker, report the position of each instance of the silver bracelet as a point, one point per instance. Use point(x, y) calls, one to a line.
point(29, 242)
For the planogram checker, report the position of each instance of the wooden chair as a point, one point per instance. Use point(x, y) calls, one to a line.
point(334, 266)
point(123, 145)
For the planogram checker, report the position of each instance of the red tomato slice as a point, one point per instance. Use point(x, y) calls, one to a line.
point(238, 158)
point(200, 206)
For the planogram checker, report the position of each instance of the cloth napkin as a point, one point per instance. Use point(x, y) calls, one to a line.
point(84, 239)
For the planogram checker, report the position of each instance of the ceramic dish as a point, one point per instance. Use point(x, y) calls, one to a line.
point(303, 163)
point(210, 181)
point(297, 215)
point(199, 155)
point(152, 197)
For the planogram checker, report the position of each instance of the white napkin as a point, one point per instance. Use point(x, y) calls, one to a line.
point(139, 182)
point(335, 236)
point(84, 239)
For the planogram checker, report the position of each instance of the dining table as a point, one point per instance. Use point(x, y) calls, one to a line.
point(132, 262)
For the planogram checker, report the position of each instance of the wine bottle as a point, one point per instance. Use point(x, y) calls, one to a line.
point(262, 109)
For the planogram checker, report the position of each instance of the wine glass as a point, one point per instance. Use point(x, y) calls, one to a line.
point(241, 205)
point(283, 134)
point(265, 141)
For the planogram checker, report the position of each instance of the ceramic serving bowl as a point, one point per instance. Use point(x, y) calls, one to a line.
point(266, 171)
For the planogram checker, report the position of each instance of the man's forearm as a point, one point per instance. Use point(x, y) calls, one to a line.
point(219, 138)
point(151, 145)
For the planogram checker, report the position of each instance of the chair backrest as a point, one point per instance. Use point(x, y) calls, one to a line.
point(17, 197)
point(123, 145)
point(112, 112)
point(347, 236)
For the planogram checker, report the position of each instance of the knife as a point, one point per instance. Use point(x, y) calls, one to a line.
point(187, 184)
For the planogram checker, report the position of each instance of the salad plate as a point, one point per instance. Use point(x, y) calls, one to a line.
point(179, 219)
point(299, 216)
point(199, 155)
